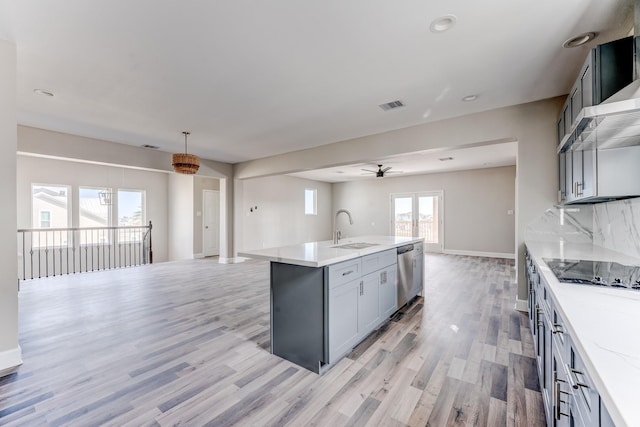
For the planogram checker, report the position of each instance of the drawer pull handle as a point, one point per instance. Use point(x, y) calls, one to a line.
point(347, 272)
point(577, 384)
point(556, 397)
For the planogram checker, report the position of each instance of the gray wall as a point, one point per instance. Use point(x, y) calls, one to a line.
point(475, 206)
point(532, 125)
point(180, 217)
point(280, 219)
point(10, 354)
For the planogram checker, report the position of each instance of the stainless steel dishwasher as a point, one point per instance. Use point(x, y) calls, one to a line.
point(405, 274)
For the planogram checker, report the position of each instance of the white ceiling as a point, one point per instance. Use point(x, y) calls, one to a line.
point(479, 157)
point(254, 78)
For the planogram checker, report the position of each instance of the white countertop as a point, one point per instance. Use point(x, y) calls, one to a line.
point(604, 325)
point(319, 254)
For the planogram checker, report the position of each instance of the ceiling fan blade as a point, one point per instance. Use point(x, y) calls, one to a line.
point(369, 170)
point(386, 169)
point(390, 172)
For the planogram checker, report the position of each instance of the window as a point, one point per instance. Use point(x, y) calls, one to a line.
point(311, 201)
point(95, 211)
point(45, 219)
point(130, 207)
point(50, 206)
point(131, 212)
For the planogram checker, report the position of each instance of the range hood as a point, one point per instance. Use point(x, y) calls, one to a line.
point(615, 122)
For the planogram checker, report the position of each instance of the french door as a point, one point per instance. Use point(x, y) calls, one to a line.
point(419, 214)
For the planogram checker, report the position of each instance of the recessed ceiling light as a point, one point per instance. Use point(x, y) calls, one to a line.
point(43, 92)
point(442, 24)
point(445, 159)
point(470, 98)
point(339, 171)
point(579, 40)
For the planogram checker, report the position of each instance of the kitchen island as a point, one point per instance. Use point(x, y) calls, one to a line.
point(327, 297)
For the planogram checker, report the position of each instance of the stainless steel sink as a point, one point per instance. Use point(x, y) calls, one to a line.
point(355, 245)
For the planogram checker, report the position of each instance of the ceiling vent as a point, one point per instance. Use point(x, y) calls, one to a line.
point(391, 105)
point(152, 147)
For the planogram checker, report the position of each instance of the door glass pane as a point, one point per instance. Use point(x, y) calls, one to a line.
point(428, 218)
point(402, 216)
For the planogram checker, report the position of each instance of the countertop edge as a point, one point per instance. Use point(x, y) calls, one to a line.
point(578, 338)
point(345, 255)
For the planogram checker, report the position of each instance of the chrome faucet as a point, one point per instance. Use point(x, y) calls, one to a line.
point(336, 232)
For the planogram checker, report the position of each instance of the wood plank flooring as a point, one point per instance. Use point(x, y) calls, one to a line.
point(186, 343)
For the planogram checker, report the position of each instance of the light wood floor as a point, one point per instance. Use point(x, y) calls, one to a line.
point(186, 343)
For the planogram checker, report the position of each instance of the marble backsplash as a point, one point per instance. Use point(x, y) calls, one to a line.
point(612, 225)
point(616, 226)
point(571, 224)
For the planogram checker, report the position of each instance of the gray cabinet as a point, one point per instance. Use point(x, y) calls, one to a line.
point(318, 314)
point(607, 69)
point(343, 318)
point(388, 291)
point(359, 299)
point(582, 178)
point(582, 173)
point(368, 304)
point(569, 395)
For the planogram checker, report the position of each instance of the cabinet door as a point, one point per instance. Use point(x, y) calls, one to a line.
point(576, 103)
point(577, 177)
point(583, 173)
point(586, 84)
point(568, 177)
point(562, 191)
point(369, 304)
point(343, 318)
point(586, 397)
point(588, 173)
point(566, 114)
point(388, 291)
point(560, 129)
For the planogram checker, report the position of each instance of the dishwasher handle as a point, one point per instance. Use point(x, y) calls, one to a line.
point(404, 249)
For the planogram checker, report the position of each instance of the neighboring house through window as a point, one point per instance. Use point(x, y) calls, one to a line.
point(45, 219)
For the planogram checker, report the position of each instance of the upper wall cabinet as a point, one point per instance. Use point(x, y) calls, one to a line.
point(599, 128)
point(607, 69)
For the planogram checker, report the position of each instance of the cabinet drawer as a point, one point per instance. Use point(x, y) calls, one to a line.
point(377, 261)
point(584, 392)
point(344, 272)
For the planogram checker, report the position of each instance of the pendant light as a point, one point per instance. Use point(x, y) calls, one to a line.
point(184, 162)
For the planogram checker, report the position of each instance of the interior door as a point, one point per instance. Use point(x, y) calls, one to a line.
point(210, 222)
point(419, 214)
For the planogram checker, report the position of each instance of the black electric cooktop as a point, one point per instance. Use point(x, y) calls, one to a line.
point(596, 273)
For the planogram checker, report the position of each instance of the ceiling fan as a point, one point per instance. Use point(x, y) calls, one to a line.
point(380, 173)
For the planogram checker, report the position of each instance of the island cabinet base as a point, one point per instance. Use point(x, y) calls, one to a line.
point(318, 314)
point(298, 315)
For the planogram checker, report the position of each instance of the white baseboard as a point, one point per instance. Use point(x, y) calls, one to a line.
point(198, 256)
point(522, 305)
point(9, 360)
point(235, 260)
point(483, 254)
